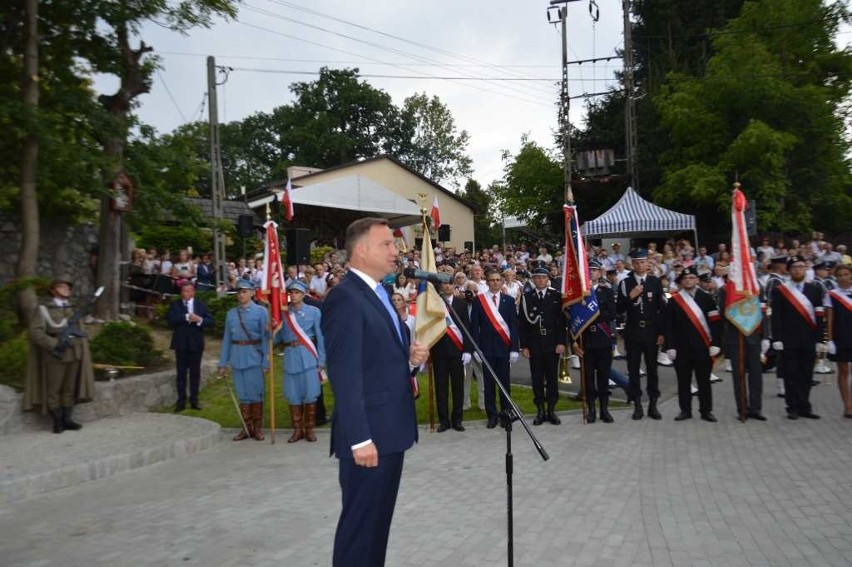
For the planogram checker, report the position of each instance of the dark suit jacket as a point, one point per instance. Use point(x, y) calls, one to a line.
point(484, 333)
point(368, 369)
point(789, 327)
point(188, 336)
point(445, 345)
point(650, 309)
point(681, 334)
point(552, 320)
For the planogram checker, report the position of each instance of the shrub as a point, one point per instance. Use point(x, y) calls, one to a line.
point(319, 253)
point(13, 361)
point(124, 344)
point(175, 238)
point(218, 306)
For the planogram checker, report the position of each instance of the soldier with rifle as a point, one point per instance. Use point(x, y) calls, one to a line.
point(59, 369)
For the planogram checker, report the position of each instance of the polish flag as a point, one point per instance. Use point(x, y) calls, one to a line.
point(286, 199)
point(436, 215)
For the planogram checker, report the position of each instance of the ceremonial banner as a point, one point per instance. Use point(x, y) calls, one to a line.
point(273, 272)
point(429, 324)
point(435, 213)
point(580, 304)
point(582, 314)
point(741, 292)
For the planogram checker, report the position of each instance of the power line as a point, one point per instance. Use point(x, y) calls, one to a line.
point(171, 96)
point(385, 76)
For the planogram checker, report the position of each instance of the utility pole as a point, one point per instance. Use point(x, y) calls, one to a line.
point(217, 176)
point(631, 143)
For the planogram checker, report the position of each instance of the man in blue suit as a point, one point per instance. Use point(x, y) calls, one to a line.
point(369, 361)
point(494, 326)
point(188, 317)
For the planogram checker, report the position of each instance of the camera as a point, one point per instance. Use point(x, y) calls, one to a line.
point(468, 295)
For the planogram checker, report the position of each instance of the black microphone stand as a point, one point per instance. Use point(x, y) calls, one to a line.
point(513, 414)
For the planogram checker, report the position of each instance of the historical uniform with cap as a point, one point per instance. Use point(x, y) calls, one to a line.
point(304, 355)
point(777, 269)
point(640, 296)
point(54, 384)
point(543, 332)
point(245, 348)
point(597, 348)
point(797, 326)
point(692, 333)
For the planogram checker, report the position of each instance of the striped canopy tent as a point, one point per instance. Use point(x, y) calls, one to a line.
point(633, 215)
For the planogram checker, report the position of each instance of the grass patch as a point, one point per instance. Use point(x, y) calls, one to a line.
point(217, 406)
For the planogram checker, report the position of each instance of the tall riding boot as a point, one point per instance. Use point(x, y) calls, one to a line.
point(67, 422)
point(653, 413)
point(310, 421)
point(540, 416)
point(591, 417)
point(245, 432)
point(606, 417)
point(296, 423)
point(56, 414)
point(551, 414)
point(638, 413)
point(257, 420)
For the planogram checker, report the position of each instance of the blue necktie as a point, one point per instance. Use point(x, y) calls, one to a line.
point(383, 297)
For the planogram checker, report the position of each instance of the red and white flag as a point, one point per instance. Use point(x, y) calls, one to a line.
point(741, 271)
point(436, 215)
point(576, 284)
point(271, 287)
point(286, 198)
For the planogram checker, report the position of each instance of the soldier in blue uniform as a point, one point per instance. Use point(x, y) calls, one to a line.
point(245, 348)
point(301, 364)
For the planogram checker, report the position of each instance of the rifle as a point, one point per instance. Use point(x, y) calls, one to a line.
point(72, 329)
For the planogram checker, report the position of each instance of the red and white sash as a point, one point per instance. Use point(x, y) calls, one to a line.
point(452, 329)
point(300, 334)
point(839, 298)
point(696, 316)
point(801, 303)
point(493, 314)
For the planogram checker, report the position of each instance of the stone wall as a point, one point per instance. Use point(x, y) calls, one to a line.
point(63, 249)
point(112, 399)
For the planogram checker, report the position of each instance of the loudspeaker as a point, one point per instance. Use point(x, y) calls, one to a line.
point(468, 245)
point(298, 246)
point(444, 233)
point(245, 225)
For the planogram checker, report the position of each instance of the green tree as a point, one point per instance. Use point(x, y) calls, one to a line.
point(436, 149)
point(768, 107)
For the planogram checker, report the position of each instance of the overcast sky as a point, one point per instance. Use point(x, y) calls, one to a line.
point(439, 38)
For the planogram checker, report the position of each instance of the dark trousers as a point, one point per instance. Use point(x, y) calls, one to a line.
point(635, 351)
point(188, 360)
point(500, 364)
point(320, 408)
point(798, 371)
point(369, 497)
point(449, 374)
point(753, 374)
point(596, 366)
point(544, 367)
point(701, 364)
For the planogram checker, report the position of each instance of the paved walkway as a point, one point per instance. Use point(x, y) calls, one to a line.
point(777, 493)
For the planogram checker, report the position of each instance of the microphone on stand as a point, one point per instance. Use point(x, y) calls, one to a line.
point(434, 277)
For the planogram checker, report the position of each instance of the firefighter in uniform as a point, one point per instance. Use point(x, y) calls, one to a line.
point(777, 276)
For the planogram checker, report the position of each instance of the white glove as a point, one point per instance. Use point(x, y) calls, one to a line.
point(778, 346)
point(821, 348)
point(672, 354)
point(465, 358)
point(714, 350)
point(513, 357)
point(764, 346)
point(477, 358)
point(832, 348)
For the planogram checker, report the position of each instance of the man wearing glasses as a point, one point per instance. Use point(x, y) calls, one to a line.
point(797, 326)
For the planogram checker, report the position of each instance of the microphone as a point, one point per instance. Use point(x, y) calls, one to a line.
point(434, 277)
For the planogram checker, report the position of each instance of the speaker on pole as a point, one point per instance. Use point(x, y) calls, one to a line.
point(245, 225)
point(298, 246)
point(444, 233)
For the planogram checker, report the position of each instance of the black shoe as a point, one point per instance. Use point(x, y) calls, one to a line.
point(606, 417)
point(653, 413)
point(540, 415)
point(780, 395)
point(792, 415)
point(552, 417)
point(591, 417)
point(179, 408)
point(67, 423)
point(443, 427)
point(682, 416)
point(637, 410)
point(815, 382)
point(808, 414)
point(756, 415)
point(196, 407)
point(492, 422)
point(56, 414)
point(708, 416)
point(458, 427)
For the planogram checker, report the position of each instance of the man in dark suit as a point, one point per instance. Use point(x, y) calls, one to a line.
point(797, 326)
point(693, 335)
point(597, 347)
point(369, 363)
point(640, 297)
point(494, 326)
point(188, 317)
point(449, 356)
point(542, 334)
